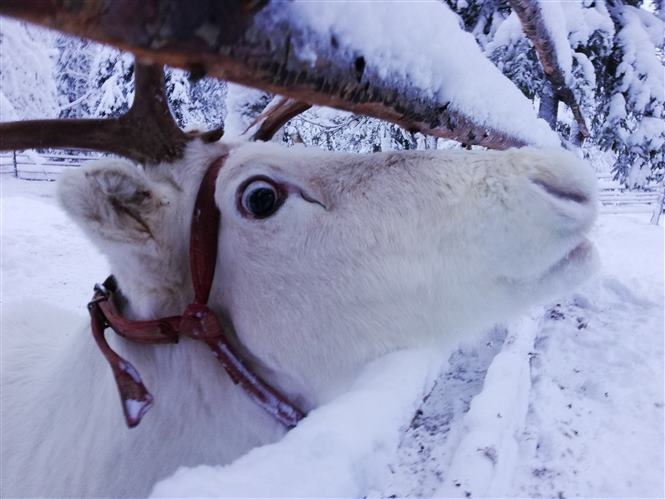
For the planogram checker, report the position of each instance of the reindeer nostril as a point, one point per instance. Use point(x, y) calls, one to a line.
point(558, 192)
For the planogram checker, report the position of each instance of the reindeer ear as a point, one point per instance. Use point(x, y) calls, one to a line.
point(113, 200)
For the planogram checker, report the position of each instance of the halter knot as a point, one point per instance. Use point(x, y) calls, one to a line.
point(200, 323)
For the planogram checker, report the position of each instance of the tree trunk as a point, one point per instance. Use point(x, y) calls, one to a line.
point(536, 29)
point(549, 105)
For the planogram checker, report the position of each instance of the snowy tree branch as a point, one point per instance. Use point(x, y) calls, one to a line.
point(535, 27)
point(248, 43)
point(147, 133)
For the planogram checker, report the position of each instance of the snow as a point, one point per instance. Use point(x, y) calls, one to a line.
point(240, 103)
point(484, 460)
point(650, 129)
point(592, 421)
point(427, 47)
point(508, 32)
point(643, 76)
point(555, 23)
point(567, 401)
point(135, 409)
point(653, 26)
point(582, 22)
point(133, 373)
point(29, 87)
point(641, 80)
point(321, 457)
point(617, 108)
point(595, 422)
point(36, 263)
point(7, 111)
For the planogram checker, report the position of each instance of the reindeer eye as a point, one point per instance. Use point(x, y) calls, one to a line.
point(260, 198)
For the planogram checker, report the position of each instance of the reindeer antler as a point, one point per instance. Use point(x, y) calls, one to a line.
point(274, 116)
point(146, 133)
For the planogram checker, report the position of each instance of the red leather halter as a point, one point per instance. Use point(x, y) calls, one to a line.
point(197, 321)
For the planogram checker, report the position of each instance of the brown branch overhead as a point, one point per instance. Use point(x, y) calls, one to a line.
point(534, 26)
point(147, 133)
point(261, 50)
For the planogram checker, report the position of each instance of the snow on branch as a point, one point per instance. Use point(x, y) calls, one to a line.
point(542, 26)
point(408, 63)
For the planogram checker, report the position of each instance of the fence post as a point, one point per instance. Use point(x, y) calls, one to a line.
point(658, 211)
point(15, 165)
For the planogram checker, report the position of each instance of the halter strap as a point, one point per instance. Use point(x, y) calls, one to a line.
point(203, 234)
point(198, 322)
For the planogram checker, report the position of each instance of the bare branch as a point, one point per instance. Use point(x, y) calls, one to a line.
point(147, 133)
point(535, 28)
point(275, 116)
point(262, 50)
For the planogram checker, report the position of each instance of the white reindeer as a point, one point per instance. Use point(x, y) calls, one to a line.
point(361, 255)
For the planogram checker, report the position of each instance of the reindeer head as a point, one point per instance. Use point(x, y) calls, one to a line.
point(329, 259)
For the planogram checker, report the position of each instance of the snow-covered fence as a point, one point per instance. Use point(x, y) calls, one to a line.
point(31, 165)
point(615, 198)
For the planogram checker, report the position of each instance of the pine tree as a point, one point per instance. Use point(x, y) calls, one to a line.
point(616, 74)
point(243, 105)
point(27, 88)
point(111, 72)
point(207, 97)
point(515, 56)
point(341, 131)
point(634, 103)
point(196, 104)
point(72, 75)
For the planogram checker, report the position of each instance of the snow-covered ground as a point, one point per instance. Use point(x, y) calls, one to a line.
point(565, 402)
point(580, 382)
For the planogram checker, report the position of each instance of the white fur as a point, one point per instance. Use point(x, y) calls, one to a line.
point(399, 250)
